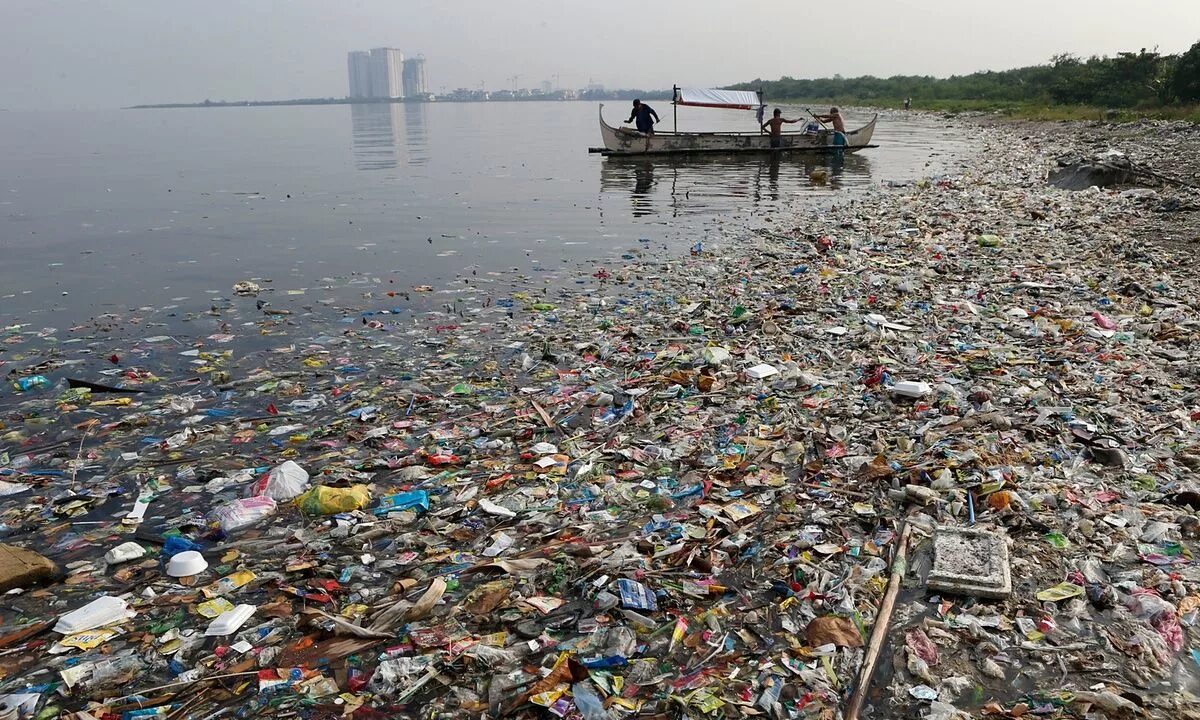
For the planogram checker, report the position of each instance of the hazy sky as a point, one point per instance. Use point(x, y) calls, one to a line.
point(84, 53)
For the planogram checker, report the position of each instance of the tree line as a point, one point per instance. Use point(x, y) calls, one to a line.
point(1126, 80)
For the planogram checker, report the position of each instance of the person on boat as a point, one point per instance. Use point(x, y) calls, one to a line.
point(839, 125)
point(642, 113)
point(776, 127)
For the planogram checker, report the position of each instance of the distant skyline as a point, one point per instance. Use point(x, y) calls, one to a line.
point(81, 54)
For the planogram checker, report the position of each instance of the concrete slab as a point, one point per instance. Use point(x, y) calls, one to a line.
point(969, 561)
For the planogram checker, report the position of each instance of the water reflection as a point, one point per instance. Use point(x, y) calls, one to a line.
point(695, 184)
point(375, 134)
point(415, 134)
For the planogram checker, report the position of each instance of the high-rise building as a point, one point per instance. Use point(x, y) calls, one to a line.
point(387, 70)
point(358, 66)
point(415, 84)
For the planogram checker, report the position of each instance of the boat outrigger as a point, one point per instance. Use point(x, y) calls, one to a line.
point(815, 138)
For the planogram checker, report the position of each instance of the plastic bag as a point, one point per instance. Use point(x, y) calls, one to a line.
point(33, 382)
point(238, 514)
point(1060, 592)
point(324, 500)
point(176, 544)
point(282, 483)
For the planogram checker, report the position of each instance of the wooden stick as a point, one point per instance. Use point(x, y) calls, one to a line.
point(1165, 178)
point(810, 112)
point(879, 632)
point(181, 683)
point(842, 491)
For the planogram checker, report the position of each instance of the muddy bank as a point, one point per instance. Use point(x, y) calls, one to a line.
point(1169, 150)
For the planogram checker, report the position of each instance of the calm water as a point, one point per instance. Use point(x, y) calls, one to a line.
point(112, 210)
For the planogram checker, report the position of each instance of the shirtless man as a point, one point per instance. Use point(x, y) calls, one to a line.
point(839, 126)
point(776, 127)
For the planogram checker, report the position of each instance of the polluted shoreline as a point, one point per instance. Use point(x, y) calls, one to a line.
point(944, 428)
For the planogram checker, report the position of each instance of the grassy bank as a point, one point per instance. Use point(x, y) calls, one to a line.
point(1019, 111)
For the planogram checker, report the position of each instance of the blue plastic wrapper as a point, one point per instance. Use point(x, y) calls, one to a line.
point(403, 501)
point(175, 545)
point(635, 596)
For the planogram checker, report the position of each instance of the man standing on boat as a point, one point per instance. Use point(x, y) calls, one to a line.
point(642, 112)
point(839, 126)
point(776, 125)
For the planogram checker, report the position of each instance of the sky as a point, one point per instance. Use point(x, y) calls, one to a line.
point(66, 54)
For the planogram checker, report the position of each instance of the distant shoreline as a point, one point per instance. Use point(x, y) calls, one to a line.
point(361, 101)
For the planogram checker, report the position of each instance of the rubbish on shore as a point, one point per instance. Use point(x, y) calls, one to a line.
point(721, 477)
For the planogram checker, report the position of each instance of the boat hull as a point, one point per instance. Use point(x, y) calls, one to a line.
point(626, 141)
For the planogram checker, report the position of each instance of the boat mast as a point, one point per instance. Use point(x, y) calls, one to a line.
point(675, 106)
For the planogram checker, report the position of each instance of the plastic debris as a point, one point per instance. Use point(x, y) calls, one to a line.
point(670, 487)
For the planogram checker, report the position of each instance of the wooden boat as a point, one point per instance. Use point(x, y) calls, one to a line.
point(627, 141)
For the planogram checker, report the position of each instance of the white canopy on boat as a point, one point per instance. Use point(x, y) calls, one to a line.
point(713, 98)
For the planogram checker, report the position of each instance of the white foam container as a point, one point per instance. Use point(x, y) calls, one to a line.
point(102, 611)
point(188, 562)
point(229, 621)
point(909, 389)
point(758, 372)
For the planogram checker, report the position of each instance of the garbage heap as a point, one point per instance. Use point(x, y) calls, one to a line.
point(673, 489)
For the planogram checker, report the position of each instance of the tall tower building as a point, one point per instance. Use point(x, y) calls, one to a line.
point(387, 69)
point(358, 67)
point(415, 84)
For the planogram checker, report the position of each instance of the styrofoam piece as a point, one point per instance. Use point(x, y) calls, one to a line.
point(971, 562)
point(229, 621)
point(910, 389)
point(715, 355)
point(758, 372)
point(492, 508)
point(188, 562)
point(124, 553)
point(102, 611)
point(881, 321)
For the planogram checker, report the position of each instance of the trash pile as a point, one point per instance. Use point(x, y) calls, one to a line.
point(950, 425)
point(1158, 162)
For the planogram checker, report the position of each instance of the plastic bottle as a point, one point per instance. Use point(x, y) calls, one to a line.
point(640, 622)
point(588, 702)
